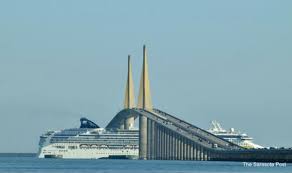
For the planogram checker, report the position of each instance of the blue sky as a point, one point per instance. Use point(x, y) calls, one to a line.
point(224, 60)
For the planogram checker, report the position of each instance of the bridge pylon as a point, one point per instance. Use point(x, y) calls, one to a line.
point(129, 101)
point(144, 99)
point(144, 102)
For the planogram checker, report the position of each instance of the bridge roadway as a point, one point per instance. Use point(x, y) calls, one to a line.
point(171, 138)
point(181, 129)
point(203, 134)
point(254, 155)
point(188, 130)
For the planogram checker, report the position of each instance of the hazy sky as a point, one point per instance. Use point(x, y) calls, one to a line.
point(223, 60)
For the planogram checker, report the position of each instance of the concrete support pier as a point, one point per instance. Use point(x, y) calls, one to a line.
point(142, 137)
point(129, 123)
point(148, 139)
point(153, 141)
point(195, 151)
point(191, 151)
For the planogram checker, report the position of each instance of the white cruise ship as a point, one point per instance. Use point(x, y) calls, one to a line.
point(233, 136)
point(89, 142)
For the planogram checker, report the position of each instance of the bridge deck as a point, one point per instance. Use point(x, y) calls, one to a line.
point(193, 142)
point(198, 131)
point(179, 126)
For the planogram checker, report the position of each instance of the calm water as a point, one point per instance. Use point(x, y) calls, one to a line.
point(32, 164)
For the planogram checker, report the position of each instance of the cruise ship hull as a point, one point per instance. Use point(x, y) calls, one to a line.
point(50, 151)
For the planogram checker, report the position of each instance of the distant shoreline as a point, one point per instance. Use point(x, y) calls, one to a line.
point(17, 154)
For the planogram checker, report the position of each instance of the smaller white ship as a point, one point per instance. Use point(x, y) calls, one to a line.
point(233, 136)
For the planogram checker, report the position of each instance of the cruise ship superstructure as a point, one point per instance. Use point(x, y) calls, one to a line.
point(233, 136)
point(89, 142)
